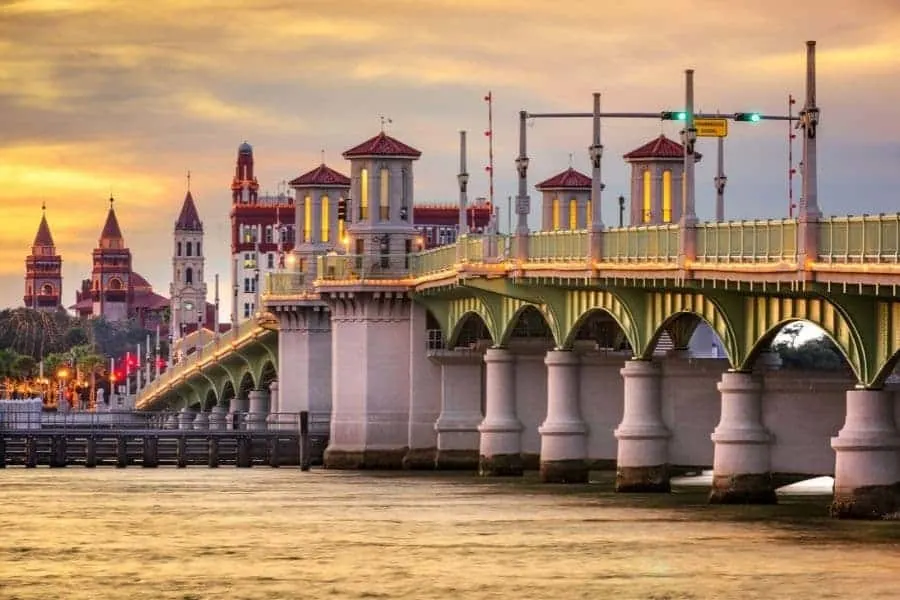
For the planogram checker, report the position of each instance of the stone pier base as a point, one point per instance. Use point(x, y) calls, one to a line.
point(419, 459)
point(456, 460)
point(643, 480)
point(564, 471)
point(500, 465)
point(374, 460)
point(869, 502)
point(753, 488)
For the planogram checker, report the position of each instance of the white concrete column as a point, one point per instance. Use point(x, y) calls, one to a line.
point(424, 393)
point(501, 445)
point(201, 421)
point(237, 415)
point(643, 453)
point(563, 433)
point(867, 458)
point(185, 418)
point(259, 410)
point(741, 463)
point(457, 426)
point(217, 417)
point(274, 404)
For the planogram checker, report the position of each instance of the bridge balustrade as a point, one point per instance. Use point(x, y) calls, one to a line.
point(434, 260)
point(747, 241)
point(653, 243)
point(860, 239)
point(359, 267)
point(558, 246)
point(285, 283)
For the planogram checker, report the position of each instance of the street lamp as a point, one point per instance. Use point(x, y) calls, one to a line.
point(463, 179)
point(522, 166)
point(596, 153)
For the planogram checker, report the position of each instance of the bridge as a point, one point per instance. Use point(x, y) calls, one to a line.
point(541, 349)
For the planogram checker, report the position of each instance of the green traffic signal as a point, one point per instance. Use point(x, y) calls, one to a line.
point(669, 115)
point(747, 117)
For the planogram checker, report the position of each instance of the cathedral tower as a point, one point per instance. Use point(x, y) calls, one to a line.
point(111, 285)
point(43, 270)
point(188, 287)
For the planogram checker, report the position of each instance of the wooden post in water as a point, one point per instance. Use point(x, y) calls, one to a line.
point(121, 452)
point(213, 447)
point(244, 457)
point(181, 452)
point(273, 452)
point(90, 459)
point(2, 452)
point(304, 441)
point(58, 451)
point(31, 452)
point(151, 452)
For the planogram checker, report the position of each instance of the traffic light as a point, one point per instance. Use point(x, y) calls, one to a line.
point(342, 210)
point(747, 117)
point(670, 115)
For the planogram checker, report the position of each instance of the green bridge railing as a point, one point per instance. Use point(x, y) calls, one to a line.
point(860, 239)
point(747, 241)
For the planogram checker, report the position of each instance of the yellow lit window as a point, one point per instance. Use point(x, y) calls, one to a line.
point(342, 233)
point(307, 219)
point(667, 196)
point(385, 200)
point(588, 213)
point(573, 214)
point(554, 212)
point(648, 208)
point(325, 221)
point(364, 194)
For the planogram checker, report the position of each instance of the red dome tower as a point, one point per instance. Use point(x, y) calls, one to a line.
point(43, 270)
point(111, 286)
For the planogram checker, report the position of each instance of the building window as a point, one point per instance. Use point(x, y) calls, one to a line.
point(246, 285)
point(554, 214)
point(342, 232)
point(189, 276)
point(46, 290)
point(364, 194)
point(648, 207)
point(199, 253)
point(246, 309)
point(270, 260)
point(268, 237)
point(588, 213)
point(178, 249)
point(188, 248)
point(667, 196)
point(573, 214)
point(325, 219)
point(384, 200)
point(307, 219)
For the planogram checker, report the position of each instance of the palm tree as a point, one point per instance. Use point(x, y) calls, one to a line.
point(89, 362)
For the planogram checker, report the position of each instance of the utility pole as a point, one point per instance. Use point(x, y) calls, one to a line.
point(720, 180)
point(596, 153)
point(522, 200)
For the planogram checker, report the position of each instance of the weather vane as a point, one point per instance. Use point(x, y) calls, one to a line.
point(385, 120)
point(189, 180)
point(322, 152)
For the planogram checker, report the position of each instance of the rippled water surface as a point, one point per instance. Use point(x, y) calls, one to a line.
point(267, 533)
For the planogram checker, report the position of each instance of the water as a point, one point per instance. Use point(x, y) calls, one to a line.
point(279, 533)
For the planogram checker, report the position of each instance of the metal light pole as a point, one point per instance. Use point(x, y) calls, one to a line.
point(216, 324)
point(157, 354)
point(463, 179)
point(720, 180)
point(689, 138)
point(596, 153)
point(522, 200)
point(621, 211)
point(809, 121)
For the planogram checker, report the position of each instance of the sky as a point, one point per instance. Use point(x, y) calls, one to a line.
point(126, 96)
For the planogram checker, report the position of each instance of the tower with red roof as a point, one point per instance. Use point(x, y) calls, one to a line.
point(188, 309)
point(657, 173)
point(317, 195)
point(566, 202)
point(381, 210)
point(43, 270)
point(111, 285)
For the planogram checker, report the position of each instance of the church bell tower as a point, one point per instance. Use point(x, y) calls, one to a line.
point(188, 288)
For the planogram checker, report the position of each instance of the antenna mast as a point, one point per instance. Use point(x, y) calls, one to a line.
point(490, 135)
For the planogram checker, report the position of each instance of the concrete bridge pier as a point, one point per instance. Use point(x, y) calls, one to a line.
point(236, 419)
point(258, 410)
point(424, 395)
point(741, 462)
point(500, 451)
point(461, 397)
point(370, 381)
point(643, 438)
point(185, 418)
point(867, 458)
point(563, 433)
point(201, 421)
point(217, 417)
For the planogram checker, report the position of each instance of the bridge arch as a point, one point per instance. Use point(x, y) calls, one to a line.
point(595, 324)
point(227, 395)
point(210, 401)
point(268, 374)
point(246, 385)
point(458, 310)
point(765, 317)
point(469, 328)
point(678, 313)
point(886, 369)
point(528, 321)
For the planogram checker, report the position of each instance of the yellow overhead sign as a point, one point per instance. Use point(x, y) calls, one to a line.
point(711, 127)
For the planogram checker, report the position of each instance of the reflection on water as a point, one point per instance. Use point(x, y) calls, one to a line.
point(265, 533)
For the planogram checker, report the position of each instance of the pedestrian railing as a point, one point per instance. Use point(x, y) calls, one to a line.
point(651, 244)
point(867, 238)
point(747, 241)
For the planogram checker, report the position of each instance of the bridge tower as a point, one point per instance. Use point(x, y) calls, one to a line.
point(566, 202)
point(318, 194)
point(373, 322)
point(188, 287)
point(43, 270)
point(657, 173)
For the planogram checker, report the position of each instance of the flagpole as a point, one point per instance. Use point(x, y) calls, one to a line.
point(157, 351)
point(490, 135)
